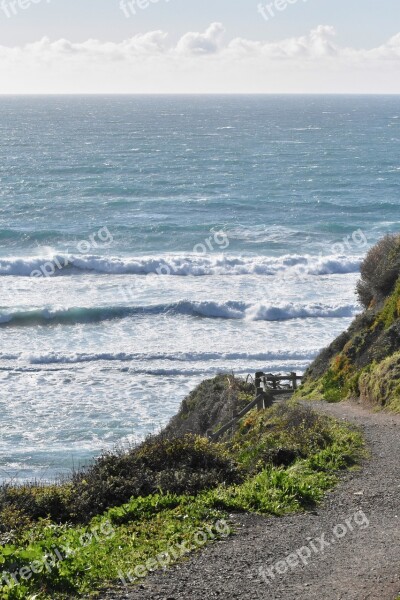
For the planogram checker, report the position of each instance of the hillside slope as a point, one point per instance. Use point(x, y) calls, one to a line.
point(364, 362)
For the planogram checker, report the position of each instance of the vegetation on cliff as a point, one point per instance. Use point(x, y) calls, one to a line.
point(211, 405)
point(128, 508)
point(364, 362)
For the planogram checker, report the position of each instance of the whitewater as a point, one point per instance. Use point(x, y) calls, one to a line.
point(136, 259)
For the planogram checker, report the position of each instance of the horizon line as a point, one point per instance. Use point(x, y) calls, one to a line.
point(54, 94)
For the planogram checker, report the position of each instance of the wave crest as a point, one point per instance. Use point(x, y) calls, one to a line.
point(179, 265)
point(303, 355)
point(211, 310)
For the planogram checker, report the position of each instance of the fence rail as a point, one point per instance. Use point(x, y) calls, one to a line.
point(263, 380)
point(267, 386)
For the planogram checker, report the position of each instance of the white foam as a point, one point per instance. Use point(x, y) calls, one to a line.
point(210, 309)
point(287, 311)
point(184, 357)
point(181, 265)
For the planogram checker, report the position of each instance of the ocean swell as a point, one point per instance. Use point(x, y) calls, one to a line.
point(179, 265)
point(211, 310)
point(305, 355)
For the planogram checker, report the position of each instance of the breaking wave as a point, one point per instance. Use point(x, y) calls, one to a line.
point(211, 310)
point(179, 265)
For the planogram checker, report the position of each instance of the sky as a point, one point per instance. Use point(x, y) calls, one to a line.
point(207, 46)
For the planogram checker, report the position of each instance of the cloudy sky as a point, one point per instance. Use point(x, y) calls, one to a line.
point(202, 46)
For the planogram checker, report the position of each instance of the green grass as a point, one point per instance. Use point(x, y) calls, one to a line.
point(368, 366)
point(285, 458)
point(391, 310)
point(380, 383)
point(126, 537)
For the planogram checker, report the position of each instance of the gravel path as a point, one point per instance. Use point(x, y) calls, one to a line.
point(361, 561)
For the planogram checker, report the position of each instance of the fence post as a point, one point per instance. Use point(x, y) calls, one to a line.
point(258, 378)
point(259, 390)
point(294, 381)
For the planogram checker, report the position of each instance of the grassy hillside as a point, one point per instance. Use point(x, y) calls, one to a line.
point(364, 362)
point(130, 513)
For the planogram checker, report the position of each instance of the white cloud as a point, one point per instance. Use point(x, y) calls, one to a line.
point(315, 45)
point(209, 42)
point(200, 62)
point(149, 44)
point(389, 51)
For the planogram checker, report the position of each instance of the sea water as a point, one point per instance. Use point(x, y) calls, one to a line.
point(147, 243)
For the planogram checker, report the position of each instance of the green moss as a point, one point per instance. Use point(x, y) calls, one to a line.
point(380, 384)
point(335, 384)
point(391, 310)
point(309, 390)
point(361, 362)
point(374, 341)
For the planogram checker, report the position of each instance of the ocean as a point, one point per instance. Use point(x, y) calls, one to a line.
point(149, 242)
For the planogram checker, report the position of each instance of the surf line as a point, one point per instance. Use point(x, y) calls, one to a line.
point(48, 268)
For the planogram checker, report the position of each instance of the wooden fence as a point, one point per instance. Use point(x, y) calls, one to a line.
point(267, 386)
point(274, 382)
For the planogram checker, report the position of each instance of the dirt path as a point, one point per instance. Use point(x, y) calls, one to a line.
point(361, 561)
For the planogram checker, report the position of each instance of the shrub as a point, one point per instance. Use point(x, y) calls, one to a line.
point(156, 526)
point(279, 436)
point(380, 270)
point(180, 465)
point(211, 405)
point(33, 502)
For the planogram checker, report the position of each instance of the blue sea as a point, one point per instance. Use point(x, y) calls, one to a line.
point(147, 243)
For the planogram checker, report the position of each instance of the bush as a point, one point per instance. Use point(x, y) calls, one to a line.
point(149, 531)
point(279, 436)
point(175, 461)
point(211, 405)
point(184, 465)
point(380, 271)
point(180, 465)
point(32, 502)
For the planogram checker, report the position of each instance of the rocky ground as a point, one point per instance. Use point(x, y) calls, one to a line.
point(353, 555)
